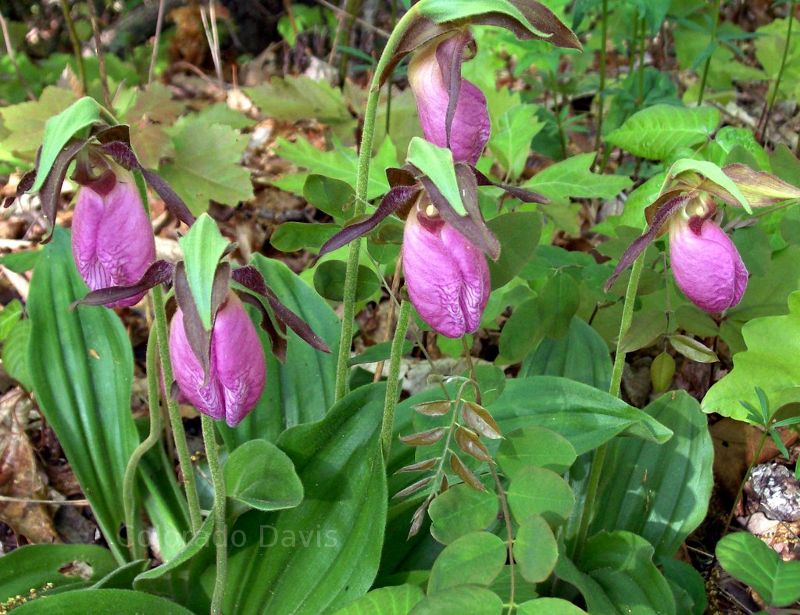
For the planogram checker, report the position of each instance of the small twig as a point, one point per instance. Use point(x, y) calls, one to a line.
point(392, 302)
point(154, 55)
point(12, 56)
point(768, 108)
point(287, 6)
point(501, 495)
point(210, 29)
point(8, 498)
point(101, 60)
point(76, 45)
point(708, 59)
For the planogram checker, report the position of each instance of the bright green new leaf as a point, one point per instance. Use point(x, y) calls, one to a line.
point(712, 172)
point(535, 549)
point(511, 138)
point(771, 362)
point(202, 247)
point(61, 128)
point(461, 510)
point(659, 131)
point(537, 491)
point(437, 163)
point(751, 561)
point(260, 475)
point(573, 178)
point(395, 600)
point(474, 559)
point(206, 166)
point(445, 10)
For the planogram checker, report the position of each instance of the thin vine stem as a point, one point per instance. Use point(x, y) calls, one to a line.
point(600, 454)
point(76, 45)
point(774, 93)
point(502, 496)
point(602, 88)
point(393, 379)
point(153, 437)
point(220, 525)
point(707, 64)
point(178, 431)
point(362, 177)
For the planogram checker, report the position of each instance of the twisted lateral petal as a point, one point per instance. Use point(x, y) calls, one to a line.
point(237, 370)
point(435, 76)
point(706, 265)
point(446, 276)
point(112, 240)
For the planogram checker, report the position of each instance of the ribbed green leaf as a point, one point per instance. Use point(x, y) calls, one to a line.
point(81, 367)
point(325, 552)
point(102, 602)
point(660, 491)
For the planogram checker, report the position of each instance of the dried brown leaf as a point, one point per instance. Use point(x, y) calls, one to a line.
point(464, 473)
point(424, 438)
point(479, 419)
point(469, 442)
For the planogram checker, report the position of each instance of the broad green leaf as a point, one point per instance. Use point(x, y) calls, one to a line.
point(692, 349)
point(511, 138)
point(660, 491)
point(15, 353)
point(621, 563)
point(181, 578)
point(326, 551)
point(397, 600)
point(340, 163)
point(206, 166)
point(461, 599)
point(535, 549)
point(61, 128)
point(461, 510)
point(597, 602)
point(688, 586)
point(329, 195)
point(202, 248)
point(329, 278)
point(751, 561)
point(102, 602)
point(221, 113)
point(549, 606)
point(302, 389)
point(573, 178)
point(9, 317)
point(260, 475)
point(296, 98)
point(658, 132)
point(81, 367)
point(20, 262)
point(153, 111)
point(293, 236)
point(633, 213)
point(33, 566)
point(762, 366)
point(518, 234)
point(534, 446)
point(581, 355)
point(550, 313)
point(730, 137)
point(437, 163)
point(538, 491)
point(26, 121)
point(124, 576)
point(582, 414)
point(473, 559)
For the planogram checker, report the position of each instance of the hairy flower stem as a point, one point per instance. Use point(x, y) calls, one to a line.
point(154, 435)
point(178, 432)
point(220, 526)
point(362, 178)
point(393, 379)
point(600, 454)
point(708, 59)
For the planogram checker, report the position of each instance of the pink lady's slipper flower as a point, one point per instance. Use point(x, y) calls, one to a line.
point(706, 265)
point(446, 276)
point(236, 370)
point(112, 239)
point(452, 111)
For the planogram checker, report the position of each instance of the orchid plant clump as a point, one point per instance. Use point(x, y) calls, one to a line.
point(527, 482)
